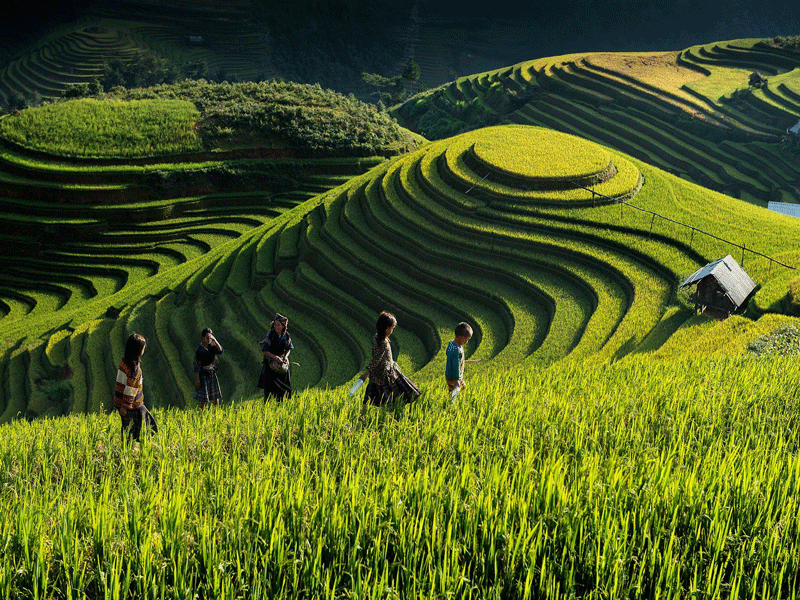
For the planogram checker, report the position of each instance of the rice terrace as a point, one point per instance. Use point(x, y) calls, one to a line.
point(625, 430)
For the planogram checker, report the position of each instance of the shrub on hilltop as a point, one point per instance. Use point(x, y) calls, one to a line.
point(290, 118)
point(791, 43)
point(283, 114)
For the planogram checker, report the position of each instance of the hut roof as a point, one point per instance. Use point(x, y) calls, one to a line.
point(730, 276)
point(795, 128)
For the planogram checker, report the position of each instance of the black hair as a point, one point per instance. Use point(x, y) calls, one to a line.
point(385, 321)
point(205, 331)
point(463, 329)
point(134, 347)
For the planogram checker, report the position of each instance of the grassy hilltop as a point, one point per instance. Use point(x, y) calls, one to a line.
point(611, 444)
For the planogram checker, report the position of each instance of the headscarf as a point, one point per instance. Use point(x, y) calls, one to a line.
point(280, 319)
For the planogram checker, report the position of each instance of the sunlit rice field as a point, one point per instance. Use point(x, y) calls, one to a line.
point(632, 480)
point(89, 128)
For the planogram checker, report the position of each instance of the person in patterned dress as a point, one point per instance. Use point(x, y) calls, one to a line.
point(206, 384)
point(129, 390)
point(386, 382)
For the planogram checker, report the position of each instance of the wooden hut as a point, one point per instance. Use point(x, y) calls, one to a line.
point(722, 287)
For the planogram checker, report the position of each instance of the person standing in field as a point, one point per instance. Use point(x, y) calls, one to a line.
point(276, 378)
point(206, 383)
point(129, 390)
point(454, 370)
point(386, 382)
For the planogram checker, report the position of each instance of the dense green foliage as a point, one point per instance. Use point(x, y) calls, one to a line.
point(784, 341)
point(636, 480)
point(791, 43)
point(301, 119)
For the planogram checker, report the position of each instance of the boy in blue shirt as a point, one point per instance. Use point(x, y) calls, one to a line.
point(454, 371)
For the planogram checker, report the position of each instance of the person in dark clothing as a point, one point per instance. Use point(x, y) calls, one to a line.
point(205, 369)
point(276, 377)
point(386, 382)
point(129, 390)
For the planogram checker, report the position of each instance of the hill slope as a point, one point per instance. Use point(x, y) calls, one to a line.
point(461, 229)
point(690, 112)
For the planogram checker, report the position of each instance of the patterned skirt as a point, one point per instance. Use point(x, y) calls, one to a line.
point(209, 390)
point(401, 388)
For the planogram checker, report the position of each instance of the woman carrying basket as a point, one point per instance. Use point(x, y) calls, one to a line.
point(276, 379)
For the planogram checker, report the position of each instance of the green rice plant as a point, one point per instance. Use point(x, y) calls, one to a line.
point(99, 378)
point(241, 272)
point(544, 483)
point(94, 129)
point(610, 300)
point(544, 154)
point(618, 177)
point(78, 381)
point(57, 344)
point(177, 373)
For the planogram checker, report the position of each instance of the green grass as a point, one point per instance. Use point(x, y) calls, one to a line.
point(89, 128)
point(555, 483)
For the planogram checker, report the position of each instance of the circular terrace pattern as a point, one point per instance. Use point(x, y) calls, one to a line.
point(539, 155)
point(519, 163)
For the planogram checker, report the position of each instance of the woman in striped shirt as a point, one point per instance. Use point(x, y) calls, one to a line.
point(129, 389)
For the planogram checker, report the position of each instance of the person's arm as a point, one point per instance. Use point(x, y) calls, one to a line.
point(196, 368)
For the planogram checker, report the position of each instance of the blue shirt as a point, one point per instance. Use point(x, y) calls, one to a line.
point(455, 361)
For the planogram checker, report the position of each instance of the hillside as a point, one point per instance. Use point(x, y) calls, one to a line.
point(236, 41)
point(610, 443)
point(691, 112)
point(543, 270)
point(102, 193)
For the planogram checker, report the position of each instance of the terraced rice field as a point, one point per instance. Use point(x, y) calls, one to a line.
point(462, 229)
point(76, 52)
point(689, 112)
point(82, 230)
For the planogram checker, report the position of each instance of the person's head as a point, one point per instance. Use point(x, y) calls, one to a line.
point(134, 348)
point(279, 324)
point(463, 333)
point(207, 335)
point(385, 325)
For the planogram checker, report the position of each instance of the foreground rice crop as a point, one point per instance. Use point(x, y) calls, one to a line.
point(633, 480)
